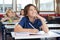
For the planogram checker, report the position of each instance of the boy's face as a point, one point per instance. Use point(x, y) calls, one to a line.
point(32, 11)
point(22, 12)
point(10, 14)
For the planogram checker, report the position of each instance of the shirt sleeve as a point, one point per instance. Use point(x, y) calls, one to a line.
point(22, 22)
point(39, 23)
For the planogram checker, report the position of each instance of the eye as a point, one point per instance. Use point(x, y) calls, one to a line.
point(30, 10)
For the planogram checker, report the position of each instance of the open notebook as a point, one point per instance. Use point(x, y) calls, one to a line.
point(39, 33)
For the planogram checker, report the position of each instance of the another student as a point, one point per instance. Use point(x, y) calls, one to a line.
point(31, 19)
point(15, 18)
point(10, 15)
point(22, 12)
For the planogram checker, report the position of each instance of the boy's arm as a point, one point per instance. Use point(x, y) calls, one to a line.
point(18, 28)
point(44, 25)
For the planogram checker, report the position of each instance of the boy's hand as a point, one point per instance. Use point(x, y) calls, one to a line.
point(39, 17)
point(7, 18)
point(33, 30)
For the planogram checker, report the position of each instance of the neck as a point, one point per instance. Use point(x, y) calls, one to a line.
point(31, 19)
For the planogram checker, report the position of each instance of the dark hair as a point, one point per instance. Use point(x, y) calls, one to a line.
point(21, 10)
point(26, 9)
point(7, 11)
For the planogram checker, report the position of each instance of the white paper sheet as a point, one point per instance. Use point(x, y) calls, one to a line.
point(39, 33)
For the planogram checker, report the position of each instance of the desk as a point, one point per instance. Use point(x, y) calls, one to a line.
point(9, 26)
point(9, 23)
point(49, 25)
point(53, 25)
point(8, 29)
point(35, 36)
point(13, 23)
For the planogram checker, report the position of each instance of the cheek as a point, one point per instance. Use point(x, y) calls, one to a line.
point(30, 12)
point(35, 11)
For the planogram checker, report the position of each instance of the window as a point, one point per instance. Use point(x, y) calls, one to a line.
point(5, 4)
point(47, 5)
point(22, 3)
